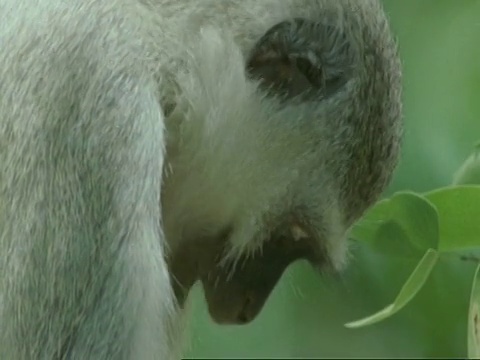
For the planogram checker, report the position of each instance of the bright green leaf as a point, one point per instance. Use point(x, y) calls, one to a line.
point(375, 318)
point(411, 287)
point(414, 214)
point(391, 240)
point(366, 229)
point(469, 172)
point(458, 211)
point(418, 218)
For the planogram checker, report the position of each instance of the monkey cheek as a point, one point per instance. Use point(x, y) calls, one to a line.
point(241, 298)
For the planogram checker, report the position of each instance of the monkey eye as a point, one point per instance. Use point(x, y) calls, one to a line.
point(317, 78)
point(311, 73)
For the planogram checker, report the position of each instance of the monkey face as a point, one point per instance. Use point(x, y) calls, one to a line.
point(300, 138)
point(236, 294)
point(237, 291)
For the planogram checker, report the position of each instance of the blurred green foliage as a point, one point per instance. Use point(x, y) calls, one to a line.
point(305, 315)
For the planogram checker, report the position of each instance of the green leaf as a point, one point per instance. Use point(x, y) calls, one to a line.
point(391, 240)
point(474, 319)
point(414, 215)
point(411, 287)
point(458, 209)
point(367, 227)
point(418, 217)
point(469, 172)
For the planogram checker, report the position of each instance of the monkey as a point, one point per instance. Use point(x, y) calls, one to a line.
point(147, 145)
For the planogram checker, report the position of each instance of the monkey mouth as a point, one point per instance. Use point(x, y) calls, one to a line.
point(232, 306)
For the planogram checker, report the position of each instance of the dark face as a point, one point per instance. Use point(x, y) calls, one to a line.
point(236, 294)
point(284, 67)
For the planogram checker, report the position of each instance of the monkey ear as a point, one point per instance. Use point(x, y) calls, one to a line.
point(294, 58)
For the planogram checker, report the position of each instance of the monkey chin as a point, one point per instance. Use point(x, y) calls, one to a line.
point(226, 306)
point(232, 307)
point(236, 295)
point(237, 291)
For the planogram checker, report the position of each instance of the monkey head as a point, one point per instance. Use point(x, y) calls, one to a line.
point(287, 142)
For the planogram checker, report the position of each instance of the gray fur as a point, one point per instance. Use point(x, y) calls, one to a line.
point(132, 127)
